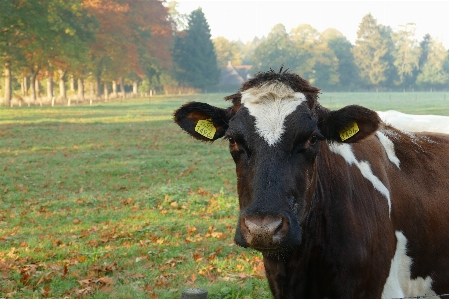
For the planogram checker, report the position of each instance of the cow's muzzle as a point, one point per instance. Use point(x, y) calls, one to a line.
point(264, 232)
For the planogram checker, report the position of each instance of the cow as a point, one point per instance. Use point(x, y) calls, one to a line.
point(415, 123)
point(340, 204)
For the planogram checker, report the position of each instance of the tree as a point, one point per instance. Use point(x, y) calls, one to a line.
point(342, 49)
point(227, 51)
point(406, 53)
point(20, 22)
point(247, 49)
point(43, 35)
point(446, 64)
point(391, 74)
point(432, 73)
point(72, 30)
point(370, 51)
point(276, 50)
point(179, 19)
point(305, 40)
point(128, 31)
point(194, 54)
point(424, 50)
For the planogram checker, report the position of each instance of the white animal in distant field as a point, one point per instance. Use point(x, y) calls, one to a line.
point(415, 123)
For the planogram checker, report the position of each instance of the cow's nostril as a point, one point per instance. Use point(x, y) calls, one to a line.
point(259, 227)
point(264, 232)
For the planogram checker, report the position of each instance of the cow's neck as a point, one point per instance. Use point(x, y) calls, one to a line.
point(287, 272)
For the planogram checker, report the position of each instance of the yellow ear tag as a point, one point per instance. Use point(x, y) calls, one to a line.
point(349, 132)
point(206, 128)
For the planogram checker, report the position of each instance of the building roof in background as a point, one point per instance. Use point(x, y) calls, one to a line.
point(234, 75)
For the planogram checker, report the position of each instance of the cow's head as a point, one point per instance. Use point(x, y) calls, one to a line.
point(275, 129)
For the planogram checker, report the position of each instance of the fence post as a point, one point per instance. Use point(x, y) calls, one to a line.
point(194, 294)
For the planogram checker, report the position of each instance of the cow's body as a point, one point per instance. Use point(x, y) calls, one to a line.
point(415, 123)
point(363, 217)
point(353, 246)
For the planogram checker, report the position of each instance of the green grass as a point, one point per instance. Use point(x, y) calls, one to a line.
point(115, 201)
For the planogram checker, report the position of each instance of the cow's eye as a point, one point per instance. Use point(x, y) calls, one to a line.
point(231, 141)
point(314, 139)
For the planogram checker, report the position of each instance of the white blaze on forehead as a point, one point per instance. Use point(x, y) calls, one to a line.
point(345, 150)
point(270, 104)
point(399, 283)
point(389, 148)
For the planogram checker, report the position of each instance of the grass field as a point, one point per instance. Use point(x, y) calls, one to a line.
point(114, 201)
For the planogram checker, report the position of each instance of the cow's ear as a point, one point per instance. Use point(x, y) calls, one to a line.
point(202, 121)
point(349, 124)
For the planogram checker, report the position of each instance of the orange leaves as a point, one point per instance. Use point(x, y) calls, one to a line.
point(209, 271)
point(37, 275)
point(171, 263)
point(127, 27)
point(191, 279)
point(258, 268)
point(105, 280)
point(238, 276)
point(97, 279)
point(106, 6)
point(214, 234)
point(88, 286)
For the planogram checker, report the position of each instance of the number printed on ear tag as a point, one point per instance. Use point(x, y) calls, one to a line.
point(349, 132)
point(206, 128)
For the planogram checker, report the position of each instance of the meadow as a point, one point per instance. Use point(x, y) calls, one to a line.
point(115, 201)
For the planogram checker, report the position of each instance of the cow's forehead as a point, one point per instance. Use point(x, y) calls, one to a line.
point(270, 104)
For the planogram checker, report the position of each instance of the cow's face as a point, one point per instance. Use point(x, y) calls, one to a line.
point(275, 134)
point(274, 140)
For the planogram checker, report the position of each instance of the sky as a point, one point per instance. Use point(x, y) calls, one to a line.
point(245, 19)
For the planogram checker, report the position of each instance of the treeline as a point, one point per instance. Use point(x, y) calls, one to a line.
point(102, 43)
point(110, 47)
point(381, 59)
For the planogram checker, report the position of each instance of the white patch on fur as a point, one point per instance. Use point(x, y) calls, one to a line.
point(415, 123)
point(399, 284)
point(270, 104)
point(389, 148)
point(345, 150)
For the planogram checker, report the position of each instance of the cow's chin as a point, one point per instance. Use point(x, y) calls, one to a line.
point(269, 248)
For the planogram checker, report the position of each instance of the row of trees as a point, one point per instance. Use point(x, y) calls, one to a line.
point(105, 42)
point(380, 58)
point(98, 40)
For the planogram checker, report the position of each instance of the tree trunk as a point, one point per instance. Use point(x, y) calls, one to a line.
point(72, 83)
point(114, 88)
point(50, 87)
point(33, 86)
point(62, 92)
point(80, 90)
point(106, 92)
point(122, 87)
point(24, 85)
point(92, 92)
point(38, 88)
point(8, 90)
point(135, 82)
point(98, 87)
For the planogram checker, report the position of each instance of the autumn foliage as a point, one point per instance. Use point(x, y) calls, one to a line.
point(97, 40)
point(127, 29)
